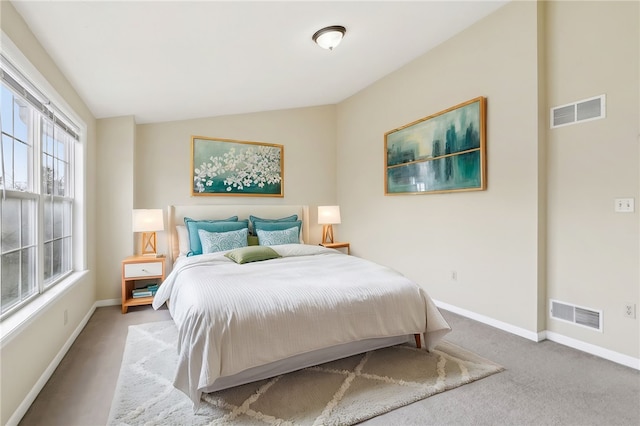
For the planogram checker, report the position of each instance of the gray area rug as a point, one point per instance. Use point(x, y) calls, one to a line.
point(341, 392)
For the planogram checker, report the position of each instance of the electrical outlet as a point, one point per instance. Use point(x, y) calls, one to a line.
point(453, 276)
point(630, 310)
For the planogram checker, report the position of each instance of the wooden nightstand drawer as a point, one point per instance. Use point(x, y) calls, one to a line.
point(148, 269)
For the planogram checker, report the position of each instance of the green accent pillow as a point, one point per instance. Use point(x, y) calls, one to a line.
point(252, 240)
point(252, 254)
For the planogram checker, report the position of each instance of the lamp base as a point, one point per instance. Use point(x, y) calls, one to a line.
point(327, 234)
point(149, 244)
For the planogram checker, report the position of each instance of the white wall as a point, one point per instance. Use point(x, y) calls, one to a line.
point(489, 238)
point(593, 251)
point(163, 151)
point(29, 355)
point(545, 227)
point(115, 174)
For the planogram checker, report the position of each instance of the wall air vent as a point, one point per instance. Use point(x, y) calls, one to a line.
point(585, 317)
point(578, 112)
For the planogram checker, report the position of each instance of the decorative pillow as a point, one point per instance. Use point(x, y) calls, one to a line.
point(252, 240)
point(274, 238)
point(278, 226)
point(252, 254)
point(219, 241)
point(195, 247)
point(254, 219)
point(183, 240)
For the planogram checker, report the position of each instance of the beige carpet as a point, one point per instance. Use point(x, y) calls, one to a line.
point(341, 392)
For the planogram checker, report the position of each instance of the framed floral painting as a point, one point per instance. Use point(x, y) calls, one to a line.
point(230, 167)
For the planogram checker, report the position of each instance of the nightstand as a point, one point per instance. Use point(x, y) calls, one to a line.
point(337, 245)
point(137, 268)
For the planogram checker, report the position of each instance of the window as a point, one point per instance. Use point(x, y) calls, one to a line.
point(37, 199)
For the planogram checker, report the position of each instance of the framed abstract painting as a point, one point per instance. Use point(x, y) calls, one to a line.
point(444, 152)
point(236, 168)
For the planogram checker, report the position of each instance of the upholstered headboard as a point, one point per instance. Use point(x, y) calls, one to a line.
point(176, 215)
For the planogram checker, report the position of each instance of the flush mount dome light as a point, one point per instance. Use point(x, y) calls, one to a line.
point(329, 37)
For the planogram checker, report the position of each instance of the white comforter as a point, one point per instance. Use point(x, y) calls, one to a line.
point(232, 317)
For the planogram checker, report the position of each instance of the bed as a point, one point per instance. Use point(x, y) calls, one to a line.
point(301, 306)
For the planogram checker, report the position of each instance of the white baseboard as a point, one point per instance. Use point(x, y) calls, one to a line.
point(530, 335)
point(598, 351)
point(46, 375)
point(108, 302)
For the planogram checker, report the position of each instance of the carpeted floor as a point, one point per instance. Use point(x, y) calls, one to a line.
point(342, 392)
point(544, 383)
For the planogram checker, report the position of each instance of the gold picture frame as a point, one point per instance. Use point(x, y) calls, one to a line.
point(444, 152)
point(227, 167)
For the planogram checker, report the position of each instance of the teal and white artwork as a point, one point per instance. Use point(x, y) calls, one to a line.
point(440, 153)
point(230, 167)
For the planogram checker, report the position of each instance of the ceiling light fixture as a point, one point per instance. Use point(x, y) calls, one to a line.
point(329, 37)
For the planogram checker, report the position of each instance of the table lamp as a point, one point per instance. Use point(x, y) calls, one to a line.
point(148, 221)
point(327, 217)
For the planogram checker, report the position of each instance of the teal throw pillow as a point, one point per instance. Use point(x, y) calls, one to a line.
point(254, 219)
point(195, 247)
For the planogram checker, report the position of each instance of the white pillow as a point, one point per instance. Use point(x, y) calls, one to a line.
point(220, 241)
point(183, 240)
point(274, 238)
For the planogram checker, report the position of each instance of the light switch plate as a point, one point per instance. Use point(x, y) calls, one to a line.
point(624, 205)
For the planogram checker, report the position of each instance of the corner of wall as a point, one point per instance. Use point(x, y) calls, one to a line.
point(542, 167)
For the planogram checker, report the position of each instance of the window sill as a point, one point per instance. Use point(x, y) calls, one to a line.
point(16, 322)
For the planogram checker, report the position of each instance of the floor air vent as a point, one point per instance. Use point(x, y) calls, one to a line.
point(577, 112)
point(585, 317)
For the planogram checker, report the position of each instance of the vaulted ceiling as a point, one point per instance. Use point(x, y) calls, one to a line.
point(174, 60)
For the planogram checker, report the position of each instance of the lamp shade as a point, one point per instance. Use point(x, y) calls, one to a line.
point(328, 215)
point(148, 220)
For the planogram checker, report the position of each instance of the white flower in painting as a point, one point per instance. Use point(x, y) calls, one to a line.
point(259, 165)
